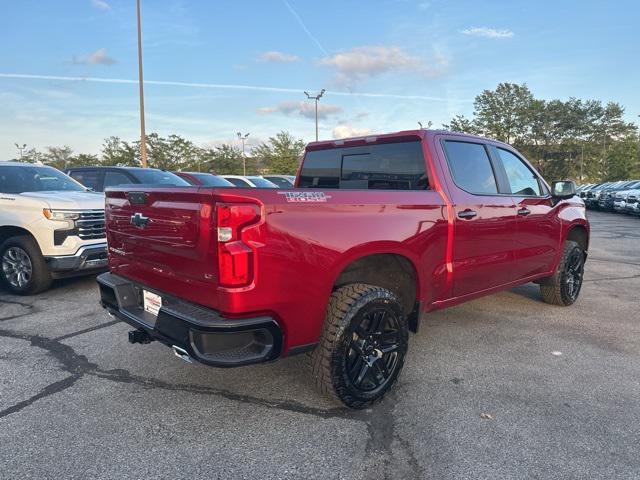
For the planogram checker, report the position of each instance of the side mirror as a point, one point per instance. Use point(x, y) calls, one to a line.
point(563, 189)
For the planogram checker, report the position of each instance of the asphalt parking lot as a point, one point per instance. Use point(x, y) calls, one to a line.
point(503, 387)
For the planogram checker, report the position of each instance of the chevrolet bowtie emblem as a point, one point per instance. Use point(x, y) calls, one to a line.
point(139, 220)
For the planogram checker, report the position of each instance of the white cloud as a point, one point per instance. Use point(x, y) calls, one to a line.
point(369, 60)
point(305, 109)
point(488, 32)
point(346, 131)
point(278, 57)
point(99, 57)
point(101, 4)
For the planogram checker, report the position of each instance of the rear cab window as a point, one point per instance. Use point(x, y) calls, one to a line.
point(386, 166)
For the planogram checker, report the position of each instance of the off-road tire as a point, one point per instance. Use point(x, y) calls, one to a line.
point(350, 306)
point(40, 276)
point(554, 289)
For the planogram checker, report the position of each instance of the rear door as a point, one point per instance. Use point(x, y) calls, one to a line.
point(485, 221)
point(538, 228)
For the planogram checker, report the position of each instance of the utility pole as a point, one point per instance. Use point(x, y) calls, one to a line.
point(242, 138)
point(582, 161)
point(143, 136)
point(21, 148)
point(317, 99)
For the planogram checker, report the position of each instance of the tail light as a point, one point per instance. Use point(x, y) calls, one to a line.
point(236, 257)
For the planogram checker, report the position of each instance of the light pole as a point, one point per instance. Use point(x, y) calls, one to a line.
point(21, 148)
point(242, 138)
point(317, 99)
point(143, 136)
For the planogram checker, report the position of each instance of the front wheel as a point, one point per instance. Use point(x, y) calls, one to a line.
point(564, 286)
point(23, 267)
point(363, 345)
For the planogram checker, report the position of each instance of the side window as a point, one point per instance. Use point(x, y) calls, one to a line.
point(387, 166)
point(238, 182)
point(471, 167)
point(113, 178)
point(521, 179)
point(88, 178)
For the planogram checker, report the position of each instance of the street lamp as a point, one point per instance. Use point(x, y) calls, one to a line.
point(143, 136)
point(316, 98)
point(21, 148)
point(242, 138)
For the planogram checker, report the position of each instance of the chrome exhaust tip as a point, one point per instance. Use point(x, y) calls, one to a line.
point(181, 353)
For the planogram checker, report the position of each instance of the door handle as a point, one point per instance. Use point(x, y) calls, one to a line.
point(467, 214)
point(524, 211)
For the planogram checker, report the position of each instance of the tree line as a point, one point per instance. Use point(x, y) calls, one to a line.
point(279, 154)
point(584, 140)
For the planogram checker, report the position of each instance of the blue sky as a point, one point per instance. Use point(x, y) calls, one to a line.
point(218, 67)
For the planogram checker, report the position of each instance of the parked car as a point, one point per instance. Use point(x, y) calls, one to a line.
point(593, 195)
point(632, 204)
point(585, 192)
point(100, 178)
point(282, 181)
point(204, 179)
point(50, 227)
point(252, 181)
point(605, 202)
point(378, 230)
point(619, 197)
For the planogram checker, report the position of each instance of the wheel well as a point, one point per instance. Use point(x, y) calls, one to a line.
point(579, 234)
point(391, 271)
point(8, 231)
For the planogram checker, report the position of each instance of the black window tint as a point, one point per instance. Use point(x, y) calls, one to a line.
point(471, 167)
point(88, 178)
point(321, 169)
point(390, 166)
point(113, 178)
point(521, 179)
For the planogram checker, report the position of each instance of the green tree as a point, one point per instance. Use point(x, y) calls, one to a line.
point(171, 153)
point(222, 160)
point(461, 124)
point(116, 152)
point(280, 154)
point(58, 157)
point(501, 113)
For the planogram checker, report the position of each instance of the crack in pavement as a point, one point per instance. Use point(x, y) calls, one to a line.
point(380, 421)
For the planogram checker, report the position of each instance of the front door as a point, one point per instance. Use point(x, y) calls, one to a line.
point(539, 229)
point(485, 221)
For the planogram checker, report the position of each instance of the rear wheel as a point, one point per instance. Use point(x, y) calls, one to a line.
point(564, 286)
point(363, 345)
point(22, 266)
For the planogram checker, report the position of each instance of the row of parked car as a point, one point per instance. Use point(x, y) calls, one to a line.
point(622, 196)
point(100, 178)
point(52, 223)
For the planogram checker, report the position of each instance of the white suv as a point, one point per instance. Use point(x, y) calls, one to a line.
point(50, 227)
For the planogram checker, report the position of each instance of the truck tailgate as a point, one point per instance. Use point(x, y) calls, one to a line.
point(164, 238)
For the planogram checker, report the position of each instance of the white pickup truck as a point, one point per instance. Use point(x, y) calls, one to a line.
point(50, 227)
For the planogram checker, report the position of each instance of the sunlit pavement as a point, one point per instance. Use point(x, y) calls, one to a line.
point(503, 387)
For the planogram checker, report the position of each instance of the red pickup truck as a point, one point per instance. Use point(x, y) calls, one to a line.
point(377, 230)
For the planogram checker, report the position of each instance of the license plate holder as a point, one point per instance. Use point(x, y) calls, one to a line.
point(151, 302)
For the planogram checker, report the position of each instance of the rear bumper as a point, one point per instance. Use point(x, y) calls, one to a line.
point(202, 333)
point(90, 257)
